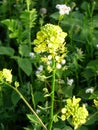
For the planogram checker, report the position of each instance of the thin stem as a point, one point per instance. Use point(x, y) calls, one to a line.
point(28, 105)
point(52, 96)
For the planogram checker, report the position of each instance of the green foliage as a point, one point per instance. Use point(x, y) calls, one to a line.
point(26, 49)
point(6, 51)
point(25, 65)
point(31, 16)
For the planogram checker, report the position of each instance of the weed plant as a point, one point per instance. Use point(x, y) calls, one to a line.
point(48, 65)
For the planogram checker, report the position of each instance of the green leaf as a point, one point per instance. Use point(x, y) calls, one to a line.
point(82, 128)
point(6, 51)
point(67, 128)
point(92, 119)
point(94, 95)
point(56, 129)
point(55, 15)
point(24, 50)
point(39, 97)
point(84, 5)
point(33, 119)
point(15, 98)
point(28, 18)
point(91, 69)
point(11, 24)
point(93, 65)
point(25, 65)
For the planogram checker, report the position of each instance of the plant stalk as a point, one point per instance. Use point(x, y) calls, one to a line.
point(28, 105)
point(52, 96)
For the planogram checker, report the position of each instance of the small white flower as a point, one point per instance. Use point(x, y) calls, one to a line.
point(57, 58)
point(63, 9)
point(89, 90)
point(86, 105)
point(49, 57)
point(58, 66)
point(31, 54)
point(70, 81)
point(49, 62)
point(97, 45)
point(40, 68)
point(63, 61)
point(37, 72)
point(38, 111)
point(76, 8)
point(63, 110)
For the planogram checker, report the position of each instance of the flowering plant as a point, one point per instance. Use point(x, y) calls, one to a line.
point(63, 9)
point(50, 41)
point(76, 113)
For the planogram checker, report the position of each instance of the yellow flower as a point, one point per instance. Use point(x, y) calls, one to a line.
point(50, 42)
point(76, 113)
point(7, 75)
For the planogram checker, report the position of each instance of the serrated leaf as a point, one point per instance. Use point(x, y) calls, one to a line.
point(30, 15)
point(6, 51)
point(10, 23)
point(25, 65)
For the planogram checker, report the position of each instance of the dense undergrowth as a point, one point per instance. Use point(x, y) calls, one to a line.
point(48, 65)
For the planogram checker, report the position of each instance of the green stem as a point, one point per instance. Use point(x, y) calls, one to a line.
point(28, 105)
point(52, 96)
point(29, 37)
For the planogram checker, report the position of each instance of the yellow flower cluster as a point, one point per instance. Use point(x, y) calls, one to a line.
point(50, 41)
point(72, 110)
point(6, 75)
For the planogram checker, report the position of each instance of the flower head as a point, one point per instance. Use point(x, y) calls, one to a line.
point(70, 81)
point(5, 74)
point(89, 90)
point(75, 112)
point(50, 42)
point(63, 9)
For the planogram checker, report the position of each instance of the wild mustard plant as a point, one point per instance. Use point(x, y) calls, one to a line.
point(6, 79)
point(75, 113)
point(50, 44)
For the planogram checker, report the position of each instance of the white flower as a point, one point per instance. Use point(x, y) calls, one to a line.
point(31, 54)
point(57, 58)
point(63, 61)
point(70, 81)
point(49, 62)
point(38, 111)
point(63, 110)
point(76, 8)
point(89, 90)
point(40, 68)
point(58, 66)
point(86, 105)
point(37, 72)
point(49, 57)
point(97, 45)
point(63, 9)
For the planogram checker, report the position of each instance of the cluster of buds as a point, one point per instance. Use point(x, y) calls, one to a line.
point(5, 75)
point(76, 113)
point(50, 42)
